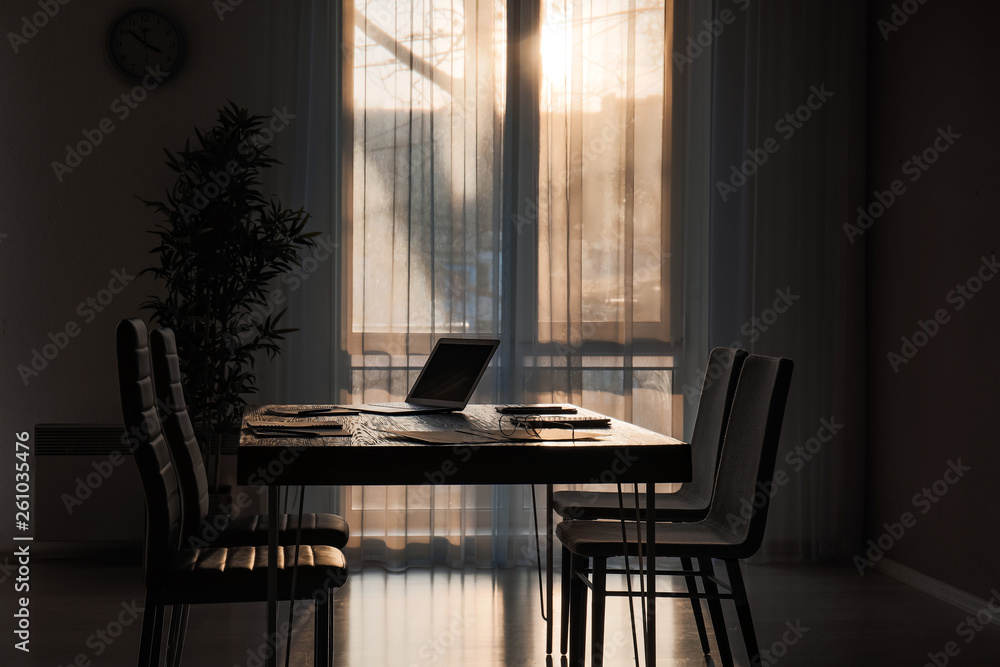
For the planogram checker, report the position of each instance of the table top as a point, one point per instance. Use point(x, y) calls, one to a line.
point(623, 453)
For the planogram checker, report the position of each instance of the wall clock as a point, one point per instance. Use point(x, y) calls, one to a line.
point(141, 41)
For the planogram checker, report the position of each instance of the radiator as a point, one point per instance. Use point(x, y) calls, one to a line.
point(87, 486)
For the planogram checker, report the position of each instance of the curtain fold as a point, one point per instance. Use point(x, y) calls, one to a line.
point(423, 244)
point(607, 279)
point(787, 168)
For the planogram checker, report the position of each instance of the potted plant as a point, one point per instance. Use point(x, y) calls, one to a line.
point(221, 243)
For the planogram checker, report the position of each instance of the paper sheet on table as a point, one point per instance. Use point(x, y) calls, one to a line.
point(305, 424)
point(477, 437)
point(310, 412)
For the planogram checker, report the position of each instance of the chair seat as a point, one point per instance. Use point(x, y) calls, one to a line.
point(239, 574)
point(251, 530)
point(678, 506)
point(603, 539)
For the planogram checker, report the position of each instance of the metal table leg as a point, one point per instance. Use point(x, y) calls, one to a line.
point(272, 573)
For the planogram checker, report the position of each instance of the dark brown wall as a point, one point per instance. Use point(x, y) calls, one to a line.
point(64, 239)
point(937, 72)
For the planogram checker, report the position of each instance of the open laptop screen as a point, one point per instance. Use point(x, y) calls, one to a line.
point(452, 372)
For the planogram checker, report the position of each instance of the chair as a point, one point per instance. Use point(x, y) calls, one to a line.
point(691, 502)
point(178, 576)
point(746, 464)
point(198, 526)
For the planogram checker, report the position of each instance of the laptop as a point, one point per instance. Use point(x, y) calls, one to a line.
point(447, 380)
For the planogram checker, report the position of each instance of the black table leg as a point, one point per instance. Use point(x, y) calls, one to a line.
point(650, 573)
point(272, 573)
point(549, 569)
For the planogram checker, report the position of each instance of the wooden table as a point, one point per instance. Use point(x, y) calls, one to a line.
point(625, 453)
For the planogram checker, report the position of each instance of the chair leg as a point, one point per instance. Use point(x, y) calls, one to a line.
point(599, 582)
point(175, 636)
point(715, 609)
point(182, 634)
point(692, 586)
point(564, 597)
point(577, 613)
point(743, 610)
point(329, 625)
point(324, 605)
point(175, 623)
point(149, 642)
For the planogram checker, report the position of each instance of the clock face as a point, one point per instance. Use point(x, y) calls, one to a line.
point(143, 41)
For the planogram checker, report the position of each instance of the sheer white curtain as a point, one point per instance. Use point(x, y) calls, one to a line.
point(397, 153)
point(608, 316)
point(607, 281)
point(482, 169)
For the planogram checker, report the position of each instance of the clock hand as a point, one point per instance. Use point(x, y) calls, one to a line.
point(144, 42)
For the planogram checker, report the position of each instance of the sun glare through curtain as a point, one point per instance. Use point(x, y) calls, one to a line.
point(607, 312)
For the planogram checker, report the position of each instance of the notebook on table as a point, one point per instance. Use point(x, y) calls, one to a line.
point(447, 380)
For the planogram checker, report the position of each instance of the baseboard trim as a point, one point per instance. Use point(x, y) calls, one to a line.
point(935, 587)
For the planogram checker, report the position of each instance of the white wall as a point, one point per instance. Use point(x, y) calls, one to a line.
point(65, 239)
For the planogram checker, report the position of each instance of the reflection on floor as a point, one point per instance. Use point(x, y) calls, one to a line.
point(87, 611)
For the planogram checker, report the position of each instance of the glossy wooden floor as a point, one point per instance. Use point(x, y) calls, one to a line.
point(82, 611)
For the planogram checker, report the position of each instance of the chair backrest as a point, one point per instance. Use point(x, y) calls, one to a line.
point(717, 393)
point(179, 431)
point(149, 448)
point(746, 466)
